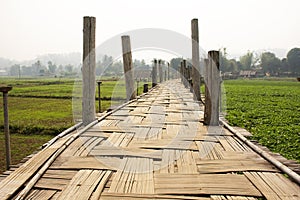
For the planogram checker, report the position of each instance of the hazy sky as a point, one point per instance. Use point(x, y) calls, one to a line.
point(33, 27)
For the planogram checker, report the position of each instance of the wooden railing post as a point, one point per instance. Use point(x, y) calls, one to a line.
point(195, 60)
point(181, 72)
point(128, 69)
point(160, 71)
point(168, 71)
point(154, 73)
point(145, 89)
point(185, 74)
point(99, 95)
point(88, 71)
point(212, 90)
point(5, 91)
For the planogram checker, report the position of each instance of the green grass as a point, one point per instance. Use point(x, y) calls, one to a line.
point(268, 109)
point(21, 146)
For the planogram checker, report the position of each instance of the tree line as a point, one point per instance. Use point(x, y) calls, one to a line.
point(266, 62)
point(105, 66)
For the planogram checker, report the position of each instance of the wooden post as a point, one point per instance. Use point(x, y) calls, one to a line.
point(99, 95)
point(5, 91)
point(128, 68)
point(154, 73)
point(145, 88)
point(88, 70)
point(165, 79)
point(160, 71)
point(137, 87)
point(195, 59)
point(168, 71)
point(181, 71)
point(207, 106)
point(212, 94)
point(185, 74)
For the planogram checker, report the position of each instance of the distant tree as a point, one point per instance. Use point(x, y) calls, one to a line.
point(107, 61)
point(285, 67)
point(52, 67)
point(175, 63)
point(69, 68)
point(293, 58)
point(27, 71)
point(15, 70)
point(224, 62)
point(233, 65)
point(247, 61)
point(270, 63)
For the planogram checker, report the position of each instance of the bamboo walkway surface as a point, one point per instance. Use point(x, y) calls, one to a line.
point(154, 147)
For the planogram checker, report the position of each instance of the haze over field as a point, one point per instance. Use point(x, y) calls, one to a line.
point(33, 27)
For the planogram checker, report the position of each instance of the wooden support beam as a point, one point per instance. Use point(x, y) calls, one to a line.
point(154, 73)
point(185, 74)
point(168, 71)
point(5, 91)
point(195, 60)
point(212, 93)
point(145, 89)
point(181, 71)
point(160, 71)
point(128, 68)
point(88, 71)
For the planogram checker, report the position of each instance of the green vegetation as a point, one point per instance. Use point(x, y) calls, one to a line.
point(270, 110)
point(21, 146)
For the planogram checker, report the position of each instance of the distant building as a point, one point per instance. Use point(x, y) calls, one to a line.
point(3, 72)
point(248, 74)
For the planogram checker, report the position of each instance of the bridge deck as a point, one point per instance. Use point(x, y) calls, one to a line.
point(155, 147)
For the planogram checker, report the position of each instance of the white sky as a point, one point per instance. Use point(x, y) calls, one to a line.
point(33, 27)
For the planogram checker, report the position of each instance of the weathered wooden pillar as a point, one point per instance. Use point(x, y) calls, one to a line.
point(165, 79)
point(128, 68)
point(181, 71)
point(160, 71)
point(195, 59)
point(212, 90)
point(5, 91)
point(137, 86)
point(145, 89)
point(88, 70)
point(168, 71)
point(154, 73)
point(99, 95)
point(185, 74)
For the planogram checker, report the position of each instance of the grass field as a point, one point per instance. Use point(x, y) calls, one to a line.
point(42, 108)
point(270, 110)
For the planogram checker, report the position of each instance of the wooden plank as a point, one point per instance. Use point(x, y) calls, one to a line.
point(208, 184)
point(12, 183)
point(209, 150)
point(52, 183)
point(226, 165)
point(113, 196)
point(79, 162)
point(82, 185)
point(274, 185)
point(41, 194)
point(100, 187)
point(63, 174)
point(134, 176)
